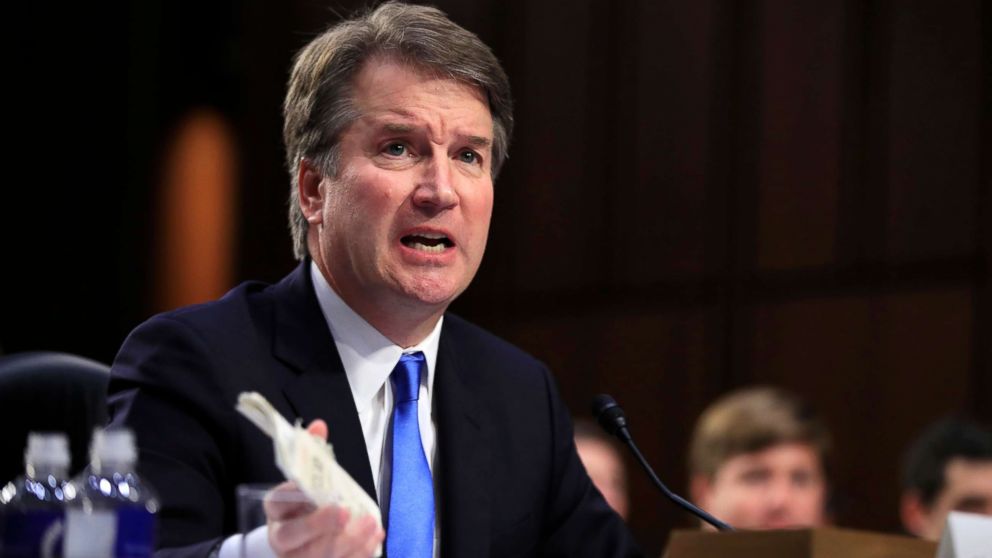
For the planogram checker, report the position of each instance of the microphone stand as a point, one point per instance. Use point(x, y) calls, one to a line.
point(612, 419)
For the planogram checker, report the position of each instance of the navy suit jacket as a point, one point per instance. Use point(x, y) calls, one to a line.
point(510, 481)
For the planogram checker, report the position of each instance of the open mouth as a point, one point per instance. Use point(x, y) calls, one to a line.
point(427, 242)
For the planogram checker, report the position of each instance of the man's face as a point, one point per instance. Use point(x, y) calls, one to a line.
point(403, 226)
point(967, 488)
point(776, 488)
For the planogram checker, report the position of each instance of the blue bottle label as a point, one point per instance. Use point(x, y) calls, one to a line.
point(32, 533)
point(125, 532)
point(135, 532)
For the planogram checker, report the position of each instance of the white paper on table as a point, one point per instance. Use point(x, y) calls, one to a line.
point(966, 535)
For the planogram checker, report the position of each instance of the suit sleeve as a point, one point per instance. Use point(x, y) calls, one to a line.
point(164, 387)
point(580, 522)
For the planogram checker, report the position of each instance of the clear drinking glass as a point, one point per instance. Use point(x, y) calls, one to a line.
point(251, 499)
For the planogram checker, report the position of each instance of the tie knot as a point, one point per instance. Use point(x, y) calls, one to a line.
point(406, 377)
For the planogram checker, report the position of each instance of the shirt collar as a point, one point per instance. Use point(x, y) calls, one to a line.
point(367, 355)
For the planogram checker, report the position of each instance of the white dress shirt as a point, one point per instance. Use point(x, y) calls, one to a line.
point(368, 358)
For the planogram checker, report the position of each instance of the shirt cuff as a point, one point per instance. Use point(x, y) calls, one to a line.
point(255, 544)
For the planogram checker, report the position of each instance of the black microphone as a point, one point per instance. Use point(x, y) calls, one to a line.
point(610, 416)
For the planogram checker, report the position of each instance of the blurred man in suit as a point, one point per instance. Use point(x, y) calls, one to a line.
point(948, 468)
point(758, 461)
point(396, 124)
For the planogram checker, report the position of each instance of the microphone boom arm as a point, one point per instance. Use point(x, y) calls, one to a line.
point(612, 419)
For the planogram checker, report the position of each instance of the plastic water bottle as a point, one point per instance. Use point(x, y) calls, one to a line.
point(113, 513)
point(32, 506)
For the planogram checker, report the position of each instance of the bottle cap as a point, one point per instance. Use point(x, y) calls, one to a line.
point(114, 445)
point(47, 449)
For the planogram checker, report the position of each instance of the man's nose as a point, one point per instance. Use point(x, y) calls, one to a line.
point(780, 493)
point(435, 188)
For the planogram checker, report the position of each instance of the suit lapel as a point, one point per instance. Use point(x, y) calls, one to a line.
point(320, 387)
point(464, 458)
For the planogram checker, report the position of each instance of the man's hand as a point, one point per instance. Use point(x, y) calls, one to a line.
point(299, 529)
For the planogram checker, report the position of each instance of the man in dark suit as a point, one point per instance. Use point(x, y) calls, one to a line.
point(947, 468)
point(396, 124)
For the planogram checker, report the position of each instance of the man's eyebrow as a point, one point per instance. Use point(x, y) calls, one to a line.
point(395, 128)
point(471, 139)
point(478, 141)
point(971, 501)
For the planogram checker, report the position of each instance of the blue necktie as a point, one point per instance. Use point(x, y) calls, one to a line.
point(410, 530)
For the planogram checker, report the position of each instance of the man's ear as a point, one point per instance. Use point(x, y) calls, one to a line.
point(309, 181)
point(914, 515)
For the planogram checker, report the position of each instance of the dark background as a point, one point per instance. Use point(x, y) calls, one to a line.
point(701, 195)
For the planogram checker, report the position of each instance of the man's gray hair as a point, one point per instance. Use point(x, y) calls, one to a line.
point(319, 105)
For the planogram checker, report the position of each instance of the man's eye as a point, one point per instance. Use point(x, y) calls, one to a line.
point(802, 478)
point(756, 476)
point(468, 157)
point(396, 149)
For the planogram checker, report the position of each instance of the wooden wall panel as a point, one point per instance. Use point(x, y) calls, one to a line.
point(551, 193)
point(879, 368)
point(658, 183)
point(800, 92)
point(936, 106)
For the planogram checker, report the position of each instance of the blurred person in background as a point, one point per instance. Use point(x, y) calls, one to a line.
point(947, 468)
point(603, 462)
point(757, 461)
